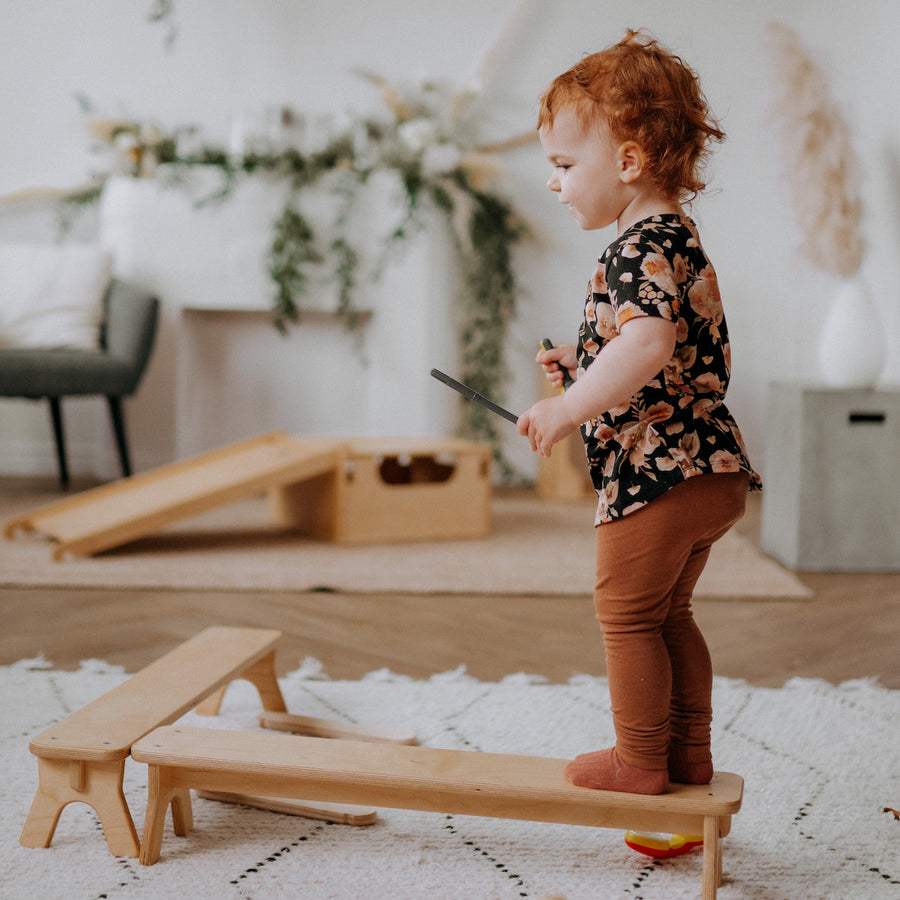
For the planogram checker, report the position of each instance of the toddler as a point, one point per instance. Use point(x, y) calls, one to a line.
point(627, 131)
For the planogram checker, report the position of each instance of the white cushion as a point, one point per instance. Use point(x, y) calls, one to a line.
point(52, 296)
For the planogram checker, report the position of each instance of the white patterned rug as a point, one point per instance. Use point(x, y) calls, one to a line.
point(820, 765)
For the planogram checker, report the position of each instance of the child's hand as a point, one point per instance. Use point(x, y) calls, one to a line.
point(555, 360)
point(546, 424)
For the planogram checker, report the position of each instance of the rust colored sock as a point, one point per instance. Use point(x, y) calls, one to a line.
point(603, 770)
point(690, 765)
point(690, 772)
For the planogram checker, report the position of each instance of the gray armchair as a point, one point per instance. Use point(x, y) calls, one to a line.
point(114, 371)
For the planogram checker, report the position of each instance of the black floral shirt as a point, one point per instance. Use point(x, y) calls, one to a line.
point(676, 426)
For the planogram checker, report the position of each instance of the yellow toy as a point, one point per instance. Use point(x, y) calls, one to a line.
point(662, 846)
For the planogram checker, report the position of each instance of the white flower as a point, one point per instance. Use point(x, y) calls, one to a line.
point(440, 158)
point(417, 134)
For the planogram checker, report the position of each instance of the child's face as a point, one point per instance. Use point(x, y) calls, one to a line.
point(587, 170)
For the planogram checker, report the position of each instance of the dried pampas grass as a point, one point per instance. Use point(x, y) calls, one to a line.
point(819, 162)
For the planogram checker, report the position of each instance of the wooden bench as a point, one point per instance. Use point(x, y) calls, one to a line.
point(421, 778)
point(82, 757)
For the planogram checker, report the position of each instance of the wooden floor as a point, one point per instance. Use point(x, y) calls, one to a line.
point(850, 629)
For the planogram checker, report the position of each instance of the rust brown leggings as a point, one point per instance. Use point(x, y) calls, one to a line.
point(659, 667)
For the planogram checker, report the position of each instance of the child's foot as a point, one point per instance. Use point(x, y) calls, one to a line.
point(605, 771)
point(689, 772)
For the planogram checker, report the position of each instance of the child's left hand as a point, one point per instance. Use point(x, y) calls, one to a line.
point(546, 424)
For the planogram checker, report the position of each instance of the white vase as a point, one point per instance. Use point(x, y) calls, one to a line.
point(851, 342)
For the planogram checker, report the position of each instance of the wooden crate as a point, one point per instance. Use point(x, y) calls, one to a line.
point(391, 490)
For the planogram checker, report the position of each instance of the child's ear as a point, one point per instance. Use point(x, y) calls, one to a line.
point(630, 161)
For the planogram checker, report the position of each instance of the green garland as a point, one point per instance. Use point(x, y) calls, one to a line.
point(487, 294)
point(489, 305)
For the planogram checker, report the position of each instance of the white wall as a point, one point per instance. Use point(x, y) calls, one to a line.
point(232, 56)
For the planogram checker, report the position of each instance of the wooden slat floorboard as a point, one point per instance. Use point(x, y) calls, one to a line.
point(850, 629)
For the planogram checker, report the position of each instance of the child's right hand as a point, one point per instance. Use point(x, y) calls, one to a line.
point(556, 359)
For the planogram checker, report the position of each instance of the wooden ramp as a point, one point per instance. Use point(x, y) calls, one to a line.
point(122, 511)
point(326, 485)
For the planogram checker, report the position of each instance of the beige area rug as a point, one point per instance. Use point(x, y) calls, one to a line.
point(535, 547)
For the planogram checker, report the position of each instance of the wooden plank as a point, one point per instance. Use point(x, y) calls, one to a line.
point(339, 813)
point(422, 778)
point(105, 729)
point(116, 513)
point(329, 728)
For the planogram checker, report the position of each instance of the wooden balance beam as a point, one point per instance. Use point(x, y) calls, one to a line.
point(82, 757)
point(421, 778)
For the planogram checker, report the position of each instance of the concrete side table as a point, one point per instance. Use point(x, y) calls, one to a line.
point(832, 478)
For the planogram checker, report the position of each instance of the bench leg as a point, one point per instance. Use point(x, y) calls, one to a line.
point(182, 813)
point(48, 803)
point(262, 676)
point(99, 784)
point(210, 705)
point(159, 795)
point(712, 858)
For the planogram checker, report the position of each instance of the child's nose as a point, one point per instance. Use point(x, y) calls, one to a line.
point(553, 183)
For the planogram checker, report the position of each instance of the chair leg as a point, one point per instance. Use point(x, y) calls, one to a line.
point(56, 419)
point(118, 422)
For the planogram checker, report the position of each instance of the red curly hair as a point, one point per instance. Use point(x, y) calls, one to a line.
point(646, 94)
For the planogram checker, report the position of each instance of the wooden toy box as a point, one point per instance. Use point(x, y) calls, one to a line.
point(392, 490)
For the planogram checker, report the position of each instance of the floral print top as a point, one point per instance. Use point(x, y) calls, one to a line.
point(676, 426)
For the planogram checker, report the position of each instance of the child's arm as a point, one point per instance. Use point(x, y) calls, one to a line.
point(624, 365)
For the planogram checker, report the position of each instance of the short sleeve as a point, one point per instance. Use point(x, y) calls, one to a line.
point(645, 278)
